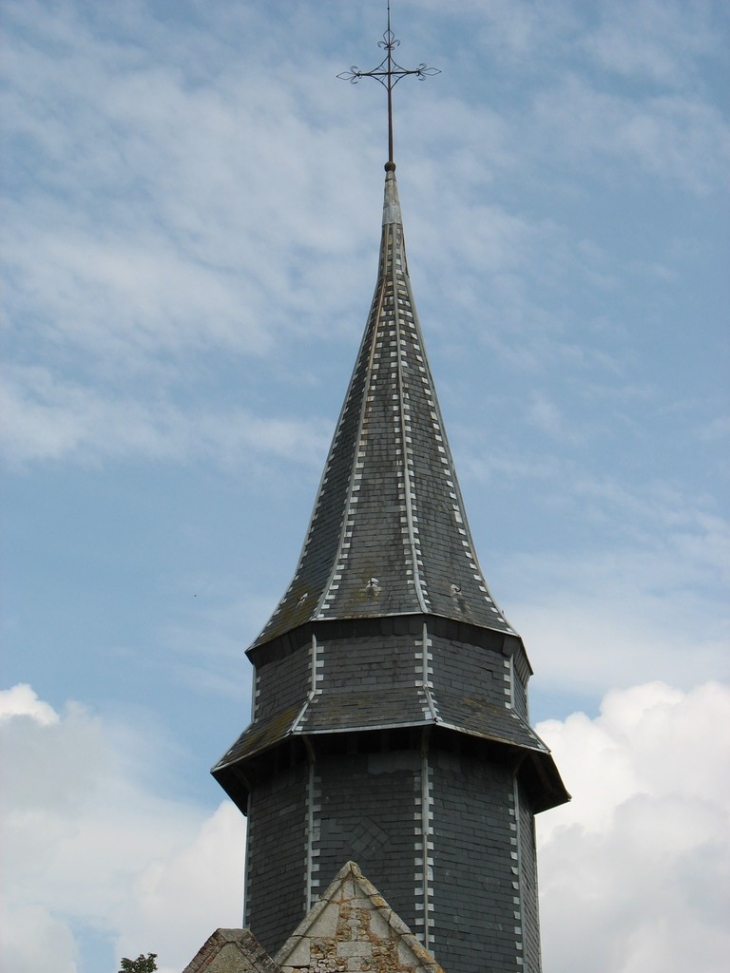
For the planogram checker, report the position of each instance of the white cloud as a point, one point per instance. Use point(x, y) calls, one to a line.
point(22, 701)
point(32, 940)
point(188, 895)
point(88, 842)
point(635, 871)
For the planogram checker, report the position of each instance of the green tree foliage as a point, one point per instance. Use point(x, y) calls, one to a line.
point(143, 964)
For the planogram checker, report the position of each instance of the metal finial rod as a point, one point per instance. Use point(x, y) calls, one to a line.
point(388, 73)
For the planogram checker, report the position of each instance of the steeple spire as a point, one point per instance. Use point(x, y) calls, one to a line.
point(389, 534)
point(388, 73)
point(390, 723)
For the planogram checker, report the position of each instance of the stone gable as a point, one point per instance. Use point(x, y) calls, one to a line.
point(232, 951)
point(352, 928)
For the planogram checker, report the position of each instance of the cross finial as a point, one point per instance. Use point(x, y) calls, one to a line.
point(388, 73)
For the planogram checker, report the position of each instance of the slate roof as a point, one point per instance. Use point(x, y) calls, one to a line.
point(351, 712)
point(388, 534)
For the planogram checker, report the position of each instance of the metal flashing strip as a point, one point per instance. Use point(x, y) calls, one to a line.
point(368, 727)
point(255, 693)
point(399, 282)
point(427, 830)
point(424, 847)
point(309, 867)
point(314, 677)
point(509, 678)
point(355, 476)
point(424, 671)
point(246, 862)
point(517, 871)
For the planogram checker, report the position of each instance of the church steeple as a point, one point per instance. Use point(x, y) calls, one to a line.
point(390, 722)
point(389, 534)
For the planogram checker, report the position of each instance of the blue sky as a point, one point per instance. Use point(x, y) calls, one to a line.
point(191, 223)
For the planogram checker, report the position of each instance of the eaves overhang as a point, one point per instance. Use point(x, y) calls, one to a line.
point(532, 760)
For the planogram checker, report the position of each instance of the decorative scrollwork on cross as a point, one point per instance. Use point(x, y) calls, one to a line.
point(388, 73)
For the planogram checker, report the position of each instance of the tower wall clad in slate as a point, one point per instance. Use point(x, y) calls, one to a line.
point(475, 900)
point(281, 683)
point(528, 875)
point(475, 907)
point(367, 806)
point(275, 872)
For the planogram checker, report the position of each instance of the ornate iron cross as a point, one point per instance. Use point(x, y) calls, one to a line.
point(388, 73)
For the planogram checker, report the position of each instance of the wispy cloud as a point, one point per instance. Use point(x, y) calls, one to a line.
point(167, 206)
point(675, 137)
point(48, 419)
point(658, 41)
point(630, 610)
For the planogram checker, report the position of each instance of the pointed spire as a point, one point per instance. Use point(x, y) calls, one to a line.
point(389, 534)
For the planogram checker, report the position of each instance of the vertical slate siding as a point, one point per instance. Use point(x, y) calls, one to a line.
point(368, 663)
point(366, 808)
point(368, 804)
point(277, 829)
point(282, 682)
point(528, 875)
point(457, 665)
point(475, 879)
point(520, 696)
